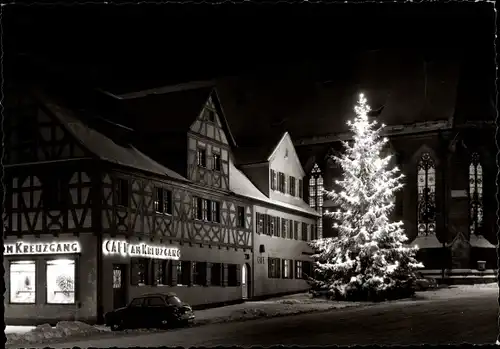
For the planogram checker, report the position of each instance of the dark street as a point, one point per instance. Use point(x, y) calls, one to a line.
point(470, 318)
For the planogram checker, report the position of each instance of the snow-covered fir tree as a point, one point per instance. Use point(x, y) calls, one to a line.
point(368, 260)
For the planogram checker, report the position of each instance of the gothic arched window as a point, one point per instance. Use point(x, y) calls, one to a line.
point(426, 182)
point(316, 195)
point(475, 194)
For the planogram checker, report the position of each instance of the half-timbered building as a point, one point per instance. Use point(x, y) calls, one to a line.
point(92, 221)
point(114, 198)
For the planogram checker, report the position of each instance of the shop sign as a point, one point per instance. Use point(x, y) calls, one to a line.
point(27, 248)
point(125, 249)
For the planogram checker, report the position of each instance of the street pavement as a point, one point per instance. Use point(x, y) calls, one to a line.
point(468, 318)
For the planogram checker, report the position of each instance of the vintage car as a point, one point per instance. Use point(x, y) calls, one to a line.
point(151, 311)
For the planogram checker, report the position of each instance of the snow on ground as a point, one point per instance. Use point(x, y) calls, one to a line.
point(274, 307)
point(456, 291)
point(45, 332)
point(18, 329)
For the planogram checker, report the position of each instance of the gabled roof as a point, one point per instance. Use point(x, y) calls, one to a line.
point(256, 151)
point(286, 136)
point(100, 145)
point(241, 185)
point(168, 110)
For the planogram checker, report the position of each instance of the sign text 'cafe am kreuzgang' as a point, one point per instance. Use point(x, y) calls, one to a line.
point(110, 247)
point(126, 249)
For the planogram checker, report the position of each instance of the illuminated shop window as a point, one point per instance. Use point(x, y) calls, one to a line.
point(426, 183)
point(22, 282)
point(475, 194)
point(61, 281)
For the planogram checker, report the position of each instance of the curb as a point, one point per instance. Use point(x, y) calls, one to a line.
point(106, 334)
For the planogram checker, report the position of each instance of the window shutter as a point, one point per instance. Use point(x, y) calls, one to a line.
point(295, 233)
point(195, 207)
point(224, 274)
point(269, 267)
point(300, 188)
point(208, 274)
point(278, 266)
point(238, 275)
point(271, 179)
point(190, 275)
point(268, 224)
point(266, 228)
point(292, 273)
point(283, 268)
point(173, 270)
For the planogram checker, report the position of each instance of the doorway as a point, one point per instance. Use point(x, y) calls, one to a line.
point(245, 281)
point(119, 286)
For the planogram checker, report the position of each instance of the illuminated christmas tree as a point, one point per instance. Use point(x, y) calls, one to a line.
point(368, 260)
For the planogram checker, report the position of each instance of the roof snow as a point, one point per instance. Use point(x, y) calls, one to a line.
point(480, 242)
point(241, 185)
point(105, 148)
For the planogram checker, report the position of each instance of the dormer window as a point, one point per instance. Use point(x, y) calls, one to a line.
point(291, 190)
point(202, 157)
point(281, 182)
point(274, 180)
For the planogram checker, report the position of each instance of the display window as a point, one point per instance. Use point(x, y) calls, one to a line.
point(23, 282)
point(61, 281)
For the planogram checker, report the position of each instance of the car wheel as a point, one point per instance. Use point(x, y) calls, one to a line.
point(117, 326)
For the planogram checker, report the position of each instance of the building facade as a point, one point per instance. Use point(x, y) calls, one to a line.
point(284, 224)
point(95, 216)
point(439, 117)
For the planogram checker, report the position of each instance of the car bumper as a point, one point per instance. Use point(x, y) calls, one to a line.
point(187, 317)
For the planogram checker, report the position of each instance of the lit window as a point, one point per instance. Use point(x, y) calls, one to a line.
point(202, 158)
point(22, 282)
point(217, 162)
point(163, 201)
point(61, 281)
point(475, 194)
point(286, 266)
point(139, 271)
point(316, 195)
point(426, 182)
point(298, 270)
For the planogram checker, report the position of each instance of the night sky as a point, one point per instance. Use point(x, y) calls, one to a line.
point(106, 44)
point(286, 67)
